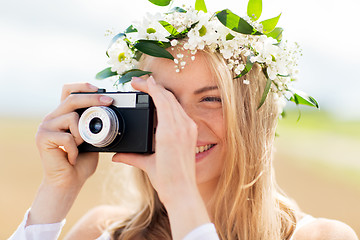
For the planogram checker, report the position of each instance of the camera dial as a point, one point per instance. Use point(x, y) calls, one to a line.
point(99, 126)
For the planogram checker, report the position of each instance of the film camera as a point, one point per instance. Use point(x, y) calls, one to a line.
point(125, 126)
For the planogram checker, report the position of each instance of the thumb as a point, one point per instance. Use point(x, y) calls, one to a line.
point(136, 160)
point(139, 84)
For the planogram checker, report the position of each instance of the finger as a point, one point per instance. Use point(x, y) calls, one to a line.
point(77, 101)
point(76, 87)
point(144, 86)
point(63, 141)
point(139, 84)
point(168, 108)
point(136, 160)
point(158, 96)
point(67, 122)
point(164, 100)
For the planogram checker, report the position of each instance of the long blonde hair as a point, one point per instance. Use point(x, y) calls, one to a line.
point(246, 203)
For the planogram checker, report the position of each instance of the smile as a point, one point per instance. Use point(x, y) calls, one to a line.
point(201, 149)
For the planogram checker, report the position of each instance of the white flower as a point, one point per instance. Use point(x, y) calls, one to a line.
point(151, 29)
point(204, 30)
point(121, 57)
point(247, 82)
point(174, 42)
point(271, 72)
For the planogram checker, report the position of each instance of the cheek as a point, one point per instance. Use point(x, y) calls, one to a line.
point(216, 123)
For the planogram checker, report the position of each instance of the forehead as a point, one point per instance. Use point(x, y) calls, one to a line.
point(197, 73)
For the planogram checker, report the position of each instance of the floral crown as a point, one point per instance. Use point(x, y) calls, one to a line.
point(225, 32)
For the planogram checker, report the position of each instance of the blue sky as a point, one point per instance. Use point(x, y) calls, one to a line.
point(44, 44)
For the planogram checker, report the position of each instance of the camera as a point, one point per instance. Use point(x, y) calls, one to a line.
point(125, 126)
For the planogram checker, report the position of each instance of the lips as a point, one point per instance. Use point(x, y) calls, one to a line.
point(203, 148)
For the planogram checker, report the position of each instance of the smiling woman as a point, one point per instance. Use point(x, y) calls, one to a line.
point(235, 135)
point(217, 104)
point(196, 89)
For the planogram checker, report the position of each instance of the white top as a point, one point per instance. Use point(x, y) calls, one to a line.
point(52, 231)
point(204, 232)
point(37, 231)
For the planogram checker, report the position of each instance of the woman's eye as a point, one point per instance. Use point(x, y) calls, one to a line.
point(211, 99)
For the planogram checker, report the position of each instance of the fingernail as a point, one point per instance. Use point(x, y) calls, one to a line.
point(136, 79)
point(106, 99)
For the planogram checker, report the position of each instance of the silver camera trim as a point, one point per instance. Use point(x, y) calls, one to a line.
point(110, 126)
point(127, 100)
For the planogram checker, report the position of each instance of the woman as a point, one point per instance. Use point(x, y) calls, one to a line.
point(210, 176)
point(199, 109)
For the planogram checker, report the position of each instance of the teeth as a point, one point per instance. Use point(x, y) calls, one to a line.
point(203, 148)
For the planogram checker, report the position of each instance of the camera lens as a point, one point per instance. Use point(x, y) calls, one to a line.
point(95, 125)
point(100, 126)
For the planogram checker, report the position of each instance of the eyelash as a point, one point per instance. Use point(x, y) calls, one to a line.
point(211, 99)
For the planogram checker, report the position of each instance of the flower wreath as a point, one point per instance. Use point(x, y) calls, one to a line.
point(225, 32)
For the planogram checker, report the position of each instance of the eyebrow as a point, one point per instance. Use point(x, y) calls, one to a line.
point(200, 90)
point(205, 89)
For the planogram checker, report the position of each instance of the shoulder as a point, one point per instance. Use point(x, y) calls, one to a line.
point(325, 229)
point(95, 221)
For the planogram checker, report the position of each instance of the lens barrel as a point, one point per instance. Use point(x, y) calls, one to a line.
point(99, 126)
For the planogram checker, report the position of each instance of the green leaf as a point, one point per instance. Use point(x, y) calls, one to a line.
point(200, 5)
point(270, 24)
point(254, 9)
point(283, 114)
point(229, 37)
point(126, 77)
point(131, 29)
point(138, 55)
point(281, 75)
point(105, 74)
point(266, 90)
point(276, 33)
point(161, 3)
point(177, 9)
point(153, 48)
point(247, 68)
point(235, 23)
point(170, 28)
point(303, 99)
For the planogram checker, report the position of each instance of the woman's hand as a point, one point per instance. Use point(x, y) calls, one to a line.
point(171, 168)
point(65, 170)
point(58, 138)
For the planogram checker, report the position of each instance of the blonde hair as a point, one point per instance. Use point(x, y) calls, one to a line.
point(246, 203)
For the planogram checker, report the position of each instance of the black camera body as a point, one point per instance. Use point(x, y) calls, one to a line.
point(128, 125)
